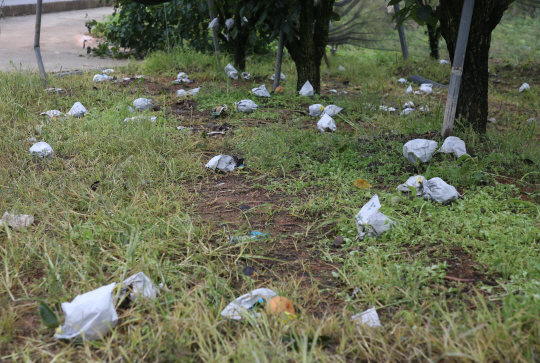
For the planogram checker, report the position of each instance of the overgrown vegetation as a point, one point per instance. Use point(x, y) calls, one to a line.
point(158, 210)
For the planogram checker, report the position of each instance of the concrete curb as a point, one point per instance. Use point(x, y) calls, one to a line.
point(53, 7)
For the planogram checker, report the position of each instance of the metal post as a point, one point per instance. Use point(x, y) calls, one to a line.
point(279, 58)
point(36, 41)
point(402, 39)
point(457, 67)
point(214, 33)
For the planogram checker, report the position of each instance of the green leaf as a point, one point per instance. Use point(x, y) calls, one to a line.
point(424, 13)
point(432, 21)
point(465, 169)
point(478, 176)
point(463, 158)
point(409, 3)
point(48, 317)
point(414, 192)
point(335, 16)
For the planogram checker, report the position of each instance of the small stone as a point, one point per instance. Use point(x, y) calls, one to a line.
point(244, 207)
point(492, 120)
point(249, 271)
point(338, 241)
point(482, 210)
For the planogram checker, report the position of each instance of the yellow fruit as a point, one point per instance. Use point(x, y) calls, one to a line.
point(279, 305)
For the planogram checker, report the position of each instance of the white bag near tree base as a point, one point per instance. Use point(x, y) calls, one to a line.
point(261, 91)
point(102, 78)
point(368, 317)
point(370, 222)
point(214, 23)
point(140, 287)
point(17, 221)
point(77, 110)
point(142, 104)
point(326, 124)
point(438, 190)
point(332, 110)
point(42, 149)
point(239, 307)
point(231, 71)
point(306, 90)
point(224, 163)
point(524, 87)
point(229, 23)
point(273, 76)
point(53, 115)
point(246, 75)
point(247, 106)
point(435, 189)
point(419, 150)
point(316, 109)
point(90, 315)
point(453, 145)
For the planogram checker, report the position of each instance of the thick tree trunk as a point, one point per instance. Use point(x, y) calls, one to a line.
point(307, 47)
point(434, 35)
point(472, 106)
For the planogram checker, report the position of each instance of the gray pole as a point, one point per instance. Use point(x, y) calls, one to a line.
point(279, 58)
point(36, 42)
point(214, 33)
point(457, 67)
point(402, 39)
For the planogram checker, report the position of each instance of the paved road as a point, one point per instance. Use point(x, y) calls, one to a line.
point(62, 36)
point(23, 2)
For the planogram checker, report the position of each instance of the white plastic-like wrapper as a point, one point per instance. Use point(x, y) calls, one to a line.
point(401, 80)
point(453, 145)
point(247, 106)
point(417, 92)
point(17, 221)
point(229, 23)
point(273, 76)
point(370, 221)
point(444, 61)
point(246, 75)
point(316, 109)
point(419, 150)
point(341, 68)
point(307, 89)
point(239, 307)
point(89, 316)
point(53, 115)
point(524, 86)
point(183, 77)
point(243, 21)
point(326, 123)
point(224, 163)
point(407, 111)
point(141, 118)
point(438, 190)
point(194, 91)
point(181, 93)
point(53, 89)
point(231, 71)
point(426, 88)
point(409, 104)
point(386, 109)
point(77, 110)
point(42, 149)
point(142, 104)
point(107, 71)
point(141, 287)
point(409, 90)
point(102, 78)
point(417, 182)
point(423, 109)
point(214, 24)
point(261, 91)
point(333, 91)
point(368, 317)
point(332, 110)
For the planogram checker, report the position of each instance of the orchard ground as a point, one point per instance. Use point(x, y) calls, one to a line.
point(157, 209)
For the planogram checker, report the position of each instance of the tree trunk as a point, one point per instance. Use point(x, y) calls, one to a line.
point(240, 44)
point(308, 46)
point(434, 35)
point(472, 106)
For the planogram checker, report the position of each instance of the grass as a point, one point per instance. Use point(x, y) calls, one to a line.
point(158, 210)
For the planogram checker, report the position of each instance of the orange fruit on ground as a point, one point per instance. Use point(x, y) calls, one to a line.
point(280, 89)
point(279, 305)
